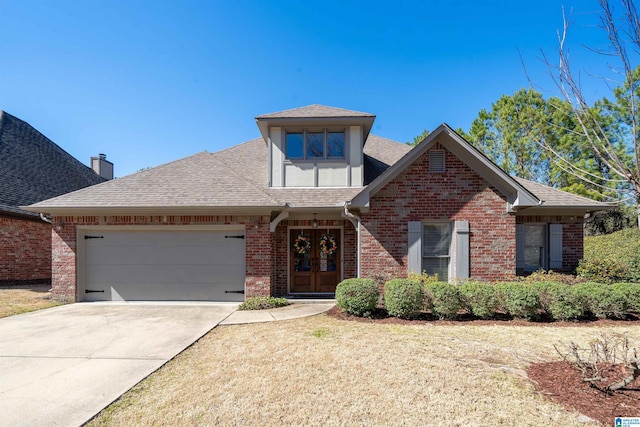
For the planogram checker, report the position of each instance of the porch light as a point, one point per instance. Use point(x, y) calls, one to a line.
point(315, 221)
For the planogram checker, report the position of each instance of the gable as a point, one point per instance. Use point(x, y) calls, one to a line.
point(444, 137)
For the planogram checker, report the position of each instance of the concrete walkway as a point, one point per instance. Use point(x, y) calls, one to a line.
point(63, 365)
point(299, 308)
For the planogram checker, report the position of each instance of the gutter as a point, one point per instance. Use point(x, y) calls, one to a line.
point(356, 221)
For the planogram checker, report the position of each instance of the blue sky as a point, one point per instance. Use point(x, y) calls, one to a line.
point(148, 82)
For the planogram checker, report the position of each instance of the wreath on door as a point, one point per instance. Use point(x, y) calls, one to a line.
point(328, 244)
point(302, 245)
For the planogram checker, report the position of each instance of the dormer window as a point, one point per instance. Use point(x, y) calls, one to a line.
point(314, 144)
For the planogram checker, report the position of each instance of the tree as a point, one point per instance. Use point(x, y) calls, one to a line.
point(417, 139)
point(610, 127)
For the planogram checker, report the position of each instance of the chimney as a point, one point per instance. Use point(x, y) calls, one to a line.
point(102, 166)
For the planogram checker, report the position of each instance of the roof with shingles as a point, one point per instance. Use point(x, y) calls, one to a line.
point(557, 198)
point(33, 168)
point(314, 111)
point(237, 177)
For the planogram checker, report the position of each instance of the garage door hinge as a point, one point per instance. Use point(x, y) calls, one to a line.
point(234, 292)
point(93, 237)
point(239, 236)
point(91, 291)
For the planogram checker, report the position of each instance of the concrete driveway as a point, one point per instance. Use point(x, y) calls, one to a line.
point(61, 366)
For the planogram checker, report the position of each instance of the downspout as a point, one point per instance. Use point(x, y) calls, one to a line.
point(356, 221)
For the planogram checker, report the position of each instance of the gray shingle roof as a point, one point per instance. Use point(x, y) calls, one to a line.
point(33, 168)
point(552, 197)
point(314, 111)
point(237, 178)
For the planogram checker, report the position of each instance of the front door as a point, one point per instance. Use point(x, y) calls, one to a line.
point(315, 260)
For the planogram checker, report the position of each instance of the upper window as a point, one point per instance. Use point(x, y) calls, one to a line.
point(436, 249)
point(311, 145)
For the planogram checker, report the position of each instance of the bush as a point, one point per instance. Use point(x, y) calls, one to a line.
point(423, 278)
point(404, 298)
point(479, 299)
point(519, 299)
point(559, 300)
point(445, 299)
point(357, 296)
point(263, 303)
point(603, 301)
point(612, 258)
point(632, 292)
point(552, 276)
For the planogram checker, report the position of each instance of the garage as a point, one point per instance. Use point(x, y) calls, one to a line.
point(183, 264)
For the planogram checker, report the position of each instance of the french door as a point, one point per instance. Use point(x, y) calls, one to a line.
point(314, 260)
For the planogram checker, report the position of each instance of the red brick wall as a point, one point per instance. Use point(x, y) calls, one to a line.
point(281, 250)
point(258, 247)
point(572, 237)
point(457, 194)
point(25, 251)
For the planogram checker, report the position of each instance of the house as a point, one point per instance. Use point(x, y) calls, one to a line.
point(315, 199)
point(32, 168)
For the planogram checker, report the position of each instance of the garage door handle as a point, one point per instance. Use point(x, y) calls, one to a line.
point(91, 291)
point(234, 292)
point(239, 236)
point(93, 237)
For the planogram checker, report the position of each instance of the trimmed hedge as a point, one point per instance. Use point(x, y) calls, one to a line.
point(445, 299)
point(612, 257)
point(404, 298)
point(263, 303)
point(357, 296)
point(603, 301)
point(480, 299)
point(519, 299)
point(560, 301)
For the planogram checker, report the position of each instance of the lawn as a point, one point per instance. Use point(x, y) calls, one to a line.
point(325, 371)
point(17, 300)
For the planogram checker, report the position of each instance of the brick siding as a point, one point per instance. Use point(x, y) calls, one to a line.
point(258, 247)
point(25, 251)
point(457, 194)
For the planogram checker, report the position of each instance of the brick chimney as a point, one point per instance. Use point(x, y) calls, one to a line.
point(102, 166)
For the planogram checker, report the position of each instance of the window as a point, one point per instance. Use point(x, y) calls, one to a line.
point(312, 145)
point(538, 247)
point(436, 249)
point(535, 247)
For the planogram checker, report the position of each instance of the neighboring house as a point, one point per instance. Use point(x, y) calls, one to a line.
point(32, 168)
point(314, 200)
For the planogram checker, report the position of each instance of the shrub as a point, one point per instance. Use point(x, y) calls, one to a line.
point(603, 301)
point(552, 276)
point(404, 298)
point(423, 277)
point(357, 296)
point(479, 299)
point(263, 303)
point(559, 300)
point(612, 258)
point(519, 299)
point(632, 292)
point(445, 299)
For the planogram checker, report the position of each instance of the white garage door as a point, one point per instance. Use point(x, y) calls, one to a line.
point(177, 265)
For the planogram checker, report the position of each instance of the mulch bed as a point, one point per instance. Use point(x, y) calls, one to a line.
point(558, 381)
point(563, 384)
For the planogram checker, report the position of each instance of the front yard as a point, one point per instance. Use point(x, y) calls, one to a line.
point(17, 300)
point(325, 371)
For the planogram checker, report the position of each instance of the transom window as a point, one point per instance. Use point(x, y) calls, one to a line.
point(436, 249)
point(311, 145)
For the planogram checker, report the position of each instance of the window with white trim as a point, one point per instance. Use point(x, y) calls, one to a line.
point(436, 249)
point(315, 144)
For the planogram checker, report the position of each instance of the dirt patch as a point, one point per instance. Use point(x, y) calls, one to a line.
point(562, 383)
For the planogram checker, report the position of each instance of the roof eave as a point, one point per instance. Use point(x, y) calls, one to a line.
point(153, 210)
